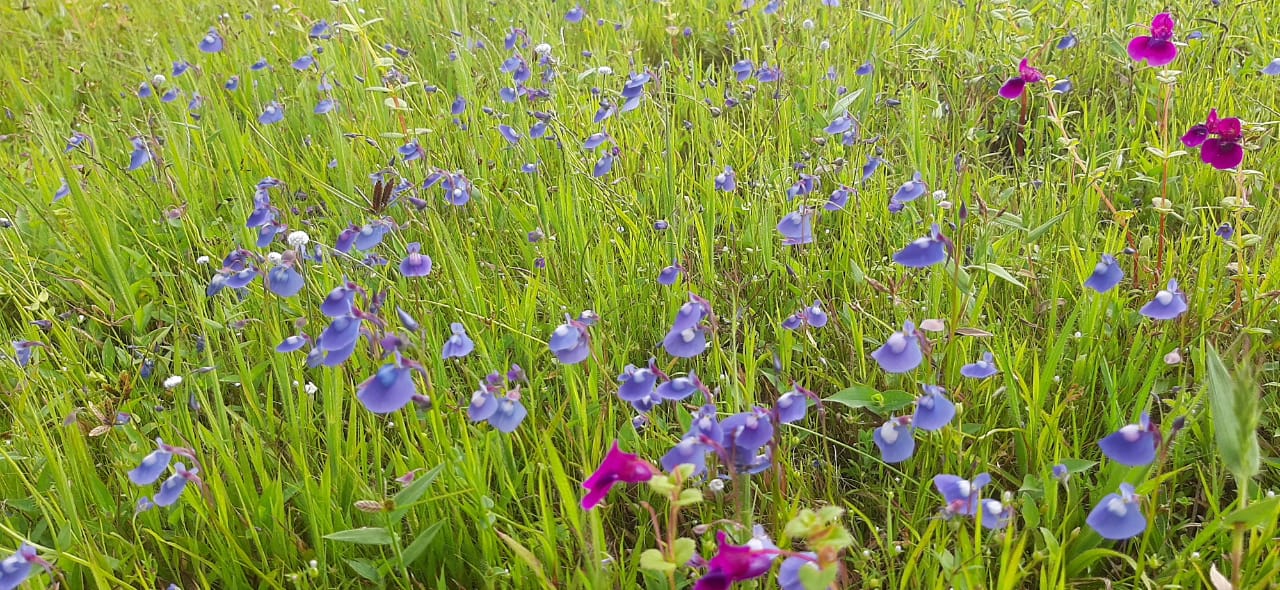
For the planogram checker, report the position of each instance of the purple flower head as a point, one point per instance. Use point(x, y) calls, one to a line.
point(791, 406)
point(457, 189)
point(814, 315)
point(1067, 42)
point(16, 568)
point(1106, 275)
point(62, 192)
point(1134, 444)
point(304, 63)
point(292, 343)
point(789, 572)
point(1118, 516)
point(459, 106)
point(839, 198)
point(961, 495)
point(746, 432)
point(603, 165)
point(866, 69)
point(840, 125)
point(570, 342)
point(737, 563)
point(983, 368)
point(910, 190)
point(1157, 49)
point(670, 274)
point(415, 263)
point(232, 84)
point(342, 333)
point(339, 301)
point(995, 515)
point(768, 74)
point(273, 113)
point(144, 90)
point(895, 439)
point(797, 227)
point(689, 451)
point(76, 141)
point(172, 488)
point(508, 413)
point(180, 67)
point(575, 14)
point(868, 169)
point(901, 352)
point(154, 464)
point(1014, 87)
point(1167, 304)
point(22, 350)
point(637, 383)
point(1225, 231)
point(743, 69)
point(212, 42)
point(933, 409)
point(926, 251)
point(538, 130)
point(171, 95)
point(141, 153)
point(283, 280)
point(459, 344)
point(388, 390)
point(320, 30)
point(679, 388)
point(483, 405)
point(509, 134)
point(616, 467)
point(727, 181)
point(1219, 141)
point(687, 337)
point(259, 65)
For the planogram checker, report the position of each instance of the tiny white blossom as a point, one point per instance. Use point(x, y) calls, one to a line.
point(202, 260)
point(273, 258)
point(604, 70)
point(716, 485)
point(310, 388)
point(299, 239)
point(542, 49)
point(173, 381)
point(157, 80)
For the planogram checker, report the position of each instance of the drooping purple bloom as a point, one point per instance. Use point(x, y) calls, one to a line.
point(320, 30)
point(689, 451)
point(797, 227)
point(16, 568)
point(1272, 68)
point(1157, 49)
point(144, 90)
point(995, 515)
point(1014, 87)
point(669, 275)
point(687, 337)
point(839, 198)
point(961, 496)
point(283, 280)
point(737, 563)
point(171, 95)
point(1225, 231)
point(840, 124)
point(273, 113)
point(1106, 275)
point(814, 315)
point(595, 140)
point(1062, 86)
point(141, 153)
point(679, 388)
point(789, 571)
point(180, 67)
point(910, 190)
point(1168, 304)
point(1118, 516)
point(901, 352)
point(304, 63)
point(743, 69)
point(259, 65)
point(511, 135)
point(727, 181)
point(926, 251)
point(62, 191)
point(616, 467)
point(212, 42)
point(866, 69)
point(637, 383)
point(603, 165)
point(746, 432)
point(933, 409)
point(415, 263)
point(1134, 444)
point(339, 301)
point(983, 368)
point(390, 389)
point(868, 169)
point(483, 405)
point(508, 414)
point(459, 344)
point(76, 141)
point(570, 342)
point(172, 488)
point(575, 14)
point(459, 106)
point(1067, 42)
point(341, 333)
point(292, 343)
point(153, 465)
point(791, 406)
point(232, 84)
point(895, 439)
point(325, 106)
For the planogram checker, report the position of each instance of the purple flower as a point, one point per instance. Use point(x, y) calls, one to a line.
point(933, 409)
point(458, 345)
point(743, 69)
point(259, 65)
point(172, 488)
point(575, 14)
point(727, 181)
point(1168, 303)
point(1067, 42)
point(840, 125)
point(508, 414)
point(1014, 87)
point(273, 113)
point(1134, 444)
point(961, 495)
point(283, 280)
point(995, 515)
point(320, 30)
point(390, 389)
point(415, 263)
point(926, 251)
point(910, 190)
point(1106, 275)
point(895, 439)
point(339, 301)
point(483, 405)
point(1272, 68)
point(1157, 49)
point(509, 134)
point(637, 383)
point(232, 84)
point(22, 350)
point(1061, 473)
point(737, 563)
point(325, 106)
point(797, 227)
point(180, 67)
point(789, 572)
point(1118, 516)
point(746, 432)
point(603, 165)
point(144, 90)
point(865, 69)
point(342, 332)
point(459, 106)
point(814, 315)
point(679, 388)
point(62, 191)
point(901, 352)
point(982, 369)
point(689, 451)
point(154, 464)
point(570, 342)
point(688, 335)
point(791, 406)
point(15, 569)
point(616, 467)
point(292, 343)
point(304, 63)
point(76, 141)
point(767, 74)
point(212, 42)
point(1225, 231)
point(670, 274)
point(1219, 141)
point(141, 153)
point(873, 163)
point(839, 198)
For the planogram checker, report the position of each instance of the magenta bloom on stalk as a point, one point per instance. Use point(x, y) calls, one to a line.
point(616, 467)
point(1014, 87)
point(1218, 140)
point(737, 563)
point(1157, 49)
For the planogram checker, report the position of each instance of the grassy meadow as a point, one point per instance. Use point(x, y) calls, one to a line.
point(113, 281)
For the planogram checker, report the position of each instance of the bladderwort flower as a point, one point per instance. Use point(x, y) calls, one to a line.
point(459, 344)
point(1119, 515)
point(839, 198)
point(933, 409)
point(669, 275)
point(212, 42)
point(789, 573)
point(141, 153)
point(679, 388)
point(570, 341)
point(415, 263)
point(813, 316)
point(293, 343)
point(1134, 444)
point(994, 514)
point(637, 383)
point(617, 467)
point(16, 568)
point(797, 227)
point(923, 252)
point(983, 368)
point(910, 190)
point(1157, 49)
point(1219, 141)
point(23, 349)
point(283, 279)
point(738, 563)
point(895, 439)
point(1014, 87)
point(1106, 275)
point(154, 464)
point(1168, 304)
point(1225, 231)
point(792, 405)
point(841, 124)
point(962, 496)
point(273, 113)
point(901, 352)
point(172, 488)
point(391, 388)
point(688, 335)
point(727, 181)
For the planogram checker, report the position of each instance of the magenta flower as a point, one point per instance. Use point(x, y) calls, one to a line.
point(616, 467)
point(736, 563)
point(1157, 49)
point(1218, 140)
point(1014, 88)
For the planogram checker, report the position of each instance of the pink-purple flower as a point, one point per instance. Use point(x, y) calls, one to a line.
point(1219, 141)
point(617, 467)
point(1157, 49)
point(1014, 87)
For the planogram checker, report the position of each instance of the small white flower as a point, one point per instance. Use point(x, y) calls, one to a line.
point(542, 49)
point(716, 485)
point(824, 45)
point(273, 258)
point(310, 388)
point(939, 195)
point(1174, 357)
point(807, 24)
point(173, 381)
point(604, 70)
point(157, 80)
point(298, 239)
point(202, 260)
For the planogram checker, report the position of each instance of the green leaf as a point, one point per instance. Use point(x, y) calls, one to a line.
point(365, 570)
point(362, 536)
point(420, 544)
point(1078, 465)
point(841, 105)
point(1043, 228)
point(652, 559)
point(1001, 272)
point(689, 497)
point(813, 578)
point(684, 548)
point(861, 396)
point(1257, 514)
point(1233, 402)
point(527, 557)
